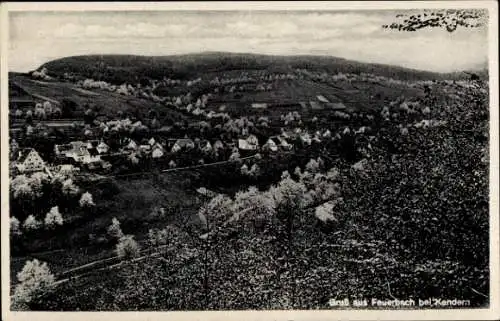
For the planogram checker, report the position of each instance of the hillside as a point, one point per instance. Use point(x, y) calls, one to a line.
point(121, 68)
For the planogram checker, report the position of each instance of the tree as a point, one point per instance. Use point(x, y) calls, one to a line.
point(35, 279)
point(31, 223)
point(235, 156)
point(244, 169)
point(15, 226)
point(53, 218)
point(127, 247)
point(312, 166)
point(21, 187)
point(254, 171)
point(450, 19)
point(86, 200)
point(114, 230)
point(69, 188)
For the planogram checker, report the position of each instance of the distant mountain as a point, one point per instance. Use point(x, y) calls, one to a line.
point(127, 68)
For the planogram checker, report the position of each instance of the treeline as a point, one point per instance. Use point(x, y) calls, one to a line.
point(118, 69)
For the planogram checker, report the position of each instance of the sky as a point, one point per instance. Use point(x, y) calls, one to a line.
point(38, 37)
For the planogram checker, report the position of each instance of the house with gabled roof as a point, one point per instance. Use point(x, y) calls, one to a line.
point(283, 143)
point(131, 145)
point(183, 143)
point(102, 148)
point(205, 146)
point(28, 160)
point(157, 152)
point(271, 145)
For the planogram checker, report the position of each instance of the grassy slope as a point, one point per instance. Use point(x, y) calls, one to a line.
point(110, 103)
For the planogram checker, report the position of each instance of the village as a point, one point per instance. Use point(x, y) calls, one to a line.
point(213, 135)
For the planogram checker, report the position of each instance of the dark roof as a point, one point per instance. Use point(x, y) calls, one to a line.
point(93, 151)
point(184, 142)
point(94, 143)
point(23, 153)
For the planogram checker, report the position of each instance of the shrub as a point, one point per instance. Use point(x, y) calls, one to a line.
point(127, 247)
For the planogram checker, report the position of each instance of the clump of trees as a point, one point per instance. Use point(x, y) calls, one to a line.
point(35, 280)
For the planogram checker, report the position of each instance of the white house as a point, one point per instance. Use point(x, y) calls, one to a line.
point(102, 148)
point(157, 153)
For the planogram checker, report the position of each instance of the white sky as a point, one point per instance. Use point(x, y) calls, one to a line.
point(37, 37)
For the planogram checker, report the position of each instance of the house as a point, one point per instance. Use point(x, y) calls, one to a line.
point(62, 149)
point(218, 145)
point(93, 156)
point(251, 143)
point(132, 145)
point(336, 106)
point(183, 143)
point(305, 138)
point(322, 99)
point(78, 151)
point(315, 105)
point(151, 141)
point(157, 152)
point(271, 145)
point(259, 105)
point(66, 169)
point(244, 145)
point(145, 148)
point(205, 146)
point(14, 147)
point(92, 144)
point(102, 148)
point(284, 144)
point(28, 160)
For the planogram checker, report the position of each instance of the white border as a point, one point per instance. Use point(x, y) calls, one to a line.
point(453, 314)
